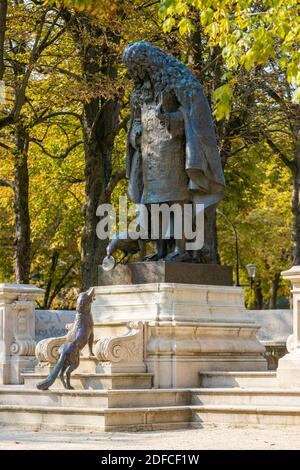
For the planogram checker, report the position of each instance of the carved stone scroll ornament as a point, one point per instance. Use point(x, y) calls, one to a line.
point(46, 350)
point(123, 353)
point(22, 347)
point(290, 343)
point(23, 343)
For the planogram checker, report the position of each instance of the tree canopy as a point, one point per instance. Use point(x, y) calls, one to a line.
point(249, 34)
point(63, 127)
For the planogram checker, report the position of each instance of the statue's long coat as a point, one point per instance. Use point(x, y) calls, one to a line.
point(202, 158)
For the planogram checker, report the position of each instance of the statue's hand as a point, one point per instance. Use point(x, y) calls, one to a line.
point(137, 140)
point(162, 116)
point(159, 112)
point(135, 135)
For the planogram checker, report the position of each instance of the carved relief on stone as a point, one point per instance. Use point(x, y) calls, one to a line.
point(290, 343)
point(127, 349)
point(21, 319)
point(22, 347)
point(23, 343)
point(17, 330)
point(46, 350)
point(273, 353)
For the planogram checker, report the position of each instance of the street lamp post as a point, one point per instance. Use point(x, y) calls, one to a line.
point(237, 273)
point(251, 269)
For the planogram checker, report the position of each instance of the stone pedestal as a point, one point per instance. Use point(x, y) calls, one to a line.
point(17, 330)
point(188, 328)
point(166, 271)
point(288, 372)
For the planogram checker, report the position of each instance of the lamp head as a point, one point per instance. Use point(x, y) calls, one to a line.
point(251, 269)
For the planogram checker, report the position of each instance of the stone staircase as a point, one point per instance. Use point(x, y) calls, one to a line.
point(233, 379)
point(96, 381)
point(244, 398)
point(127, 402)
point(95, 410)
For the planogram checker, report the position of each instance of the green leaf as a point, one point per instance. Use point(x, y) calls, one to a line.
point(185, 26)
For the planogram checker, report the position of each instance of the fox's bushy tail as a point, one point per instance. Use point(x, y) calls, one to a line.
point(45, 384)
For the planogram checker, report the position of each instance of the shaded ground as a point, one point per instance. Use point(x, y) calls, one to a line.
point(221, 437)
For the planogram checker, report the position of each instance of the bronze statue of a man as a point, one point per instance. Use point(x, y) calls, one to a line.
point(172, 154)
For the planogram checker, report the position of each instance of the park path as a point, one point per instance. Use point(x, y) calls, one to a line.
point(210, 438)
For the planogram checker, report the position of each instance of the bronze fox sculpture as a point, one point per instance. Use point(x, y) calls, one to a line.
point(81, 334)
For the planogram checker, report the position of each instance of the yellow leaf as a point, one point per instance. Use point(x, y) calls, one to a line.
point(296, 96)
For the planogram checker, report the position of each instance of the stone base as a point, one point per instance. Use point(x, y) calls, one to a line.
point(176, 372)
point(275, 350)
point(288, 372)
point(116, 368)
point(96, 381)
point(11, 373)
point(188, 328)
point(162, 271)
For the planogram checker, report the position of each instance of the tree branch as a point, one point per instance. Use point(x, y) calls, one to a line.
point(3, 15)
point(46, 68)
point(123, 124)
point(13, 116)
point(44, 42)
point(43, 118)
point(62, 155)
point(61, 283)
point(7, 183)
point(6, 147)
point(114, 180)
point(289, 163)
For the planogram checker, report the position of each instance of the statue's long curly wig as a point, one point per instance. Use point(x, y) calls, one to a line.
point(164, 71)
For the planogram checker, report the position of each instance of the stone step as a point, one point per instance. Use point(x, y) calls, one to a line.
point(245, 415)
point(146, 409)
point(18, 395)
point(150, 398)
point(88, 364)
point(96, 419)
point(12, 395)
point(243, 379)
point(95, 381)
point(53, 418)
point(148, 419)
point(245, 397)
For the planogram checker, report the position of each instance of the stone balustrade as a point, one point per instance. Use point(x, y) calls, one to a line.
point(288, 372)
point(17, 330)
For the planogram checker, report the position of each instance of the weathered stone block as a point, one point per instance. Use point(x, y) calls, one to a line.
point(162, 271)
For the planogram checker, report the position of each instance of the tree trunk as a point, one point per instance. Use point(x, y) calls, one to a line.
point(98, 152)
point(296, 214)
point(54, 261)
point(274, 290)
point(21, 206)
point(3, 15)
point(210, 234)
point(258, 297)
point(100, 119)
